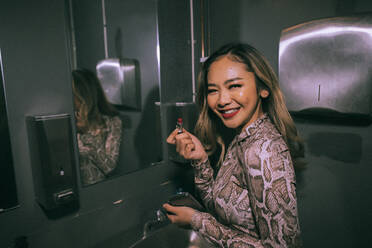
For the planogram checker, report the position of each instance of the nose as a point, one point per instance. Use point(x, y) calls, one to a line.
point(224, 98)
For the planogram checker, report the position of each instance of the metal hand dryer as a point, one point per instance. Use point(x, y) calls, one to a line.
point(325, 66)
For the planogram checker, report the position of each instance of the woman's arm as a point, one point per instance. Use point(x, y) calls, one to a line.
point(107, 154)
point(203, 177)
point(221, 235)
point(272, 192)
point(189, 147)
point(212, 230)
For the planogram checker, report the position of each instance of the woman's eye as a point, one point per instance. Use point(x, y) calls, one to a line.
point(210, 91)
point(232, 86)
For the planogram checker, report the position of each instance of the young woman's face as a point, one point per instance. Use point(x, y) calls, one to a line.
point(232, 93)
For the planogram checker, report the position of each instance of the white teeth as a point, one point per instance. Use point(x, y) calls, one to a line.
point(229, 111)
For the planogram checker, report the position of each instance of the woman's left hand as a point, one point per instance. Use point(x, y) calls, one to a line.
point(187, 145)
point(180, 215)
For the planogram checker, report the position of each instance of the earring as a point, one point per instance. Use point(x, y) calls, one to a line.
point(264, 93)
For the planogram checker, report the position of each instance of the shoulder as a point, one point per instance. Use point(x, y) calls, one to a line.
point(266, 138)
point(268, 153)
point(265, 144)
point(112, 124)
point(116, 119)
point(269, 131)
point(112, 120)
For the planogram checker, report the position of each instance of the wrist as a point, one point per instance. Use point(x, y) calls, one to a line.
point(196, 221)
point(201, 161)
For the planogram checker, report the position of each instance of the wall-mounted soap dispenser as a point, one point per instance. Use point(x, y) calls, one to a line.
point(325, 66)
point(53, 163)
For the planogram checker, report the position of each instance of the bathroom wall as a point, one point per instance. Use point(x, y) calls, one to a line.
point(334, 191)
point(34, 40)
point(36, 69)
point(175, 51)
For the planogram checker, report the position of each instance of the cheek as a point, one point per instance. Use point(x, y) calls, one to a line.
point(211, 101)
point(240, 95)
point(247, 94)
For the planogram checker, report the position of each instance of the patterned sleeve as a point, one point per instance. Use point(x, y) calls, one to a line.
point(206, 224)
point(204, 181)
point(85, 148)
point(271, 185)
point(106, 155)
point(222, 235)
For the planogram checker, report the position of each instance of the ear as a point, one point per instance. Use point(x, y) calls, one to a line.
point(264, 93)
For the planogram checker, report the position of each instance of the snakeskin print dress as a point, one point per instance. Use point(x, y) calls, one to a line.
point(251, 201)
point(99, 151)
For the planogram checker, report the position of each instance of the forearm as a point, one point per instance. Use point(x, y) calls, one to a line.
point(221, 235)
point(108, 153)
point(104, 156)
point(105, 161)
point(203, 178)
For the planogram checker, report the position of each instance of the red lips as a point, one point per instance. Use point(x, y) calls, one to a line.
point(230, 114)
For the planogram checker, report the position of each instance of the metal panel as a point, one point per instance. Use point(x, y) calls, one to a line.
point(326, 65)
point(8, 187)
point(120, 81)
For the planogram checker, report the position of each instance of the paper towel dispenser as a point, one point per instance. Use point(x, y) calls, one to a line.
point(53, 163)
point(325, 66)
point(119, 78)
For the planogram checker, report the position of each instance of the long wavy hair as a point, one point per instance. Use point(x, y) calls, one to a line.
point(210, 129)
point(91, 98)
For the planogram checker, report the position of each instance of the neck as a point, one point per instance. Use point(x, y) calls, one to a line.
point(256, 114)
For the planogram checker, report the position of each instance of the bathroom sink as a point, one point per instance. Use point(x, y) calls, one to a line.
point(172, 236)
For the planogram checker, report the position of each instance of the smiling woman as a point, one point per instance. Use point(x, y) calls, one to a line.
point(250, 193)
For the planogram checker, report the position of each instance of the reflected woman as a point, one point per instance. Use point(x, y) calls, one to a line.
point(98, 128)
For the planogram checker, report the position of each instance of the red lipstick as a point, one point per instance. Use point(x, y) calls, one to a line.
point(230, 115)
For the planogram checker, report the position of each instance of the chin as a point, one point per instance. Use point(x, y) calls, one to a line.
point(231, 125)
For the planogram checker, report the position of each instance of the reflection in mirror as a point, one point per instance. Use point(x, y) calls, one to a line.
point(127, 32)
point(8, 190)
point(120, 81)
point(98, 128)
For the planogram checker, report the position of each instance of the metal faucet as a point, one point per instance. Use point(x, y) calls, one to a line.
point(160, 221)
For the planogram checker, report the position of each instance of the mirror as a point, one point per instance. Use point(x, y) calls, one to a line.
point(120, 31)
point(8, 190)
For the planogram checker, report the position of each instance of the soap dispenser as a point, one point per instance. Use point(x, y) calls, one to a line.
point(53, 163)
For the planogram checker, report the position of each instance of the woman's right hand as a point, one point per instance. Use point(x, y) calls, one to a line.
point(187, 145)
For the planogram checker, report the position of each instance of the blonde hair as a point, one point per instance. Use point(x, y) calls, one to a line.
point(210, 130)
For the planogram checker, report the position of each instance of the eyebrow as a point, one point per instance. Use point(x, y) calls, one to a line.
point(227, 81)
